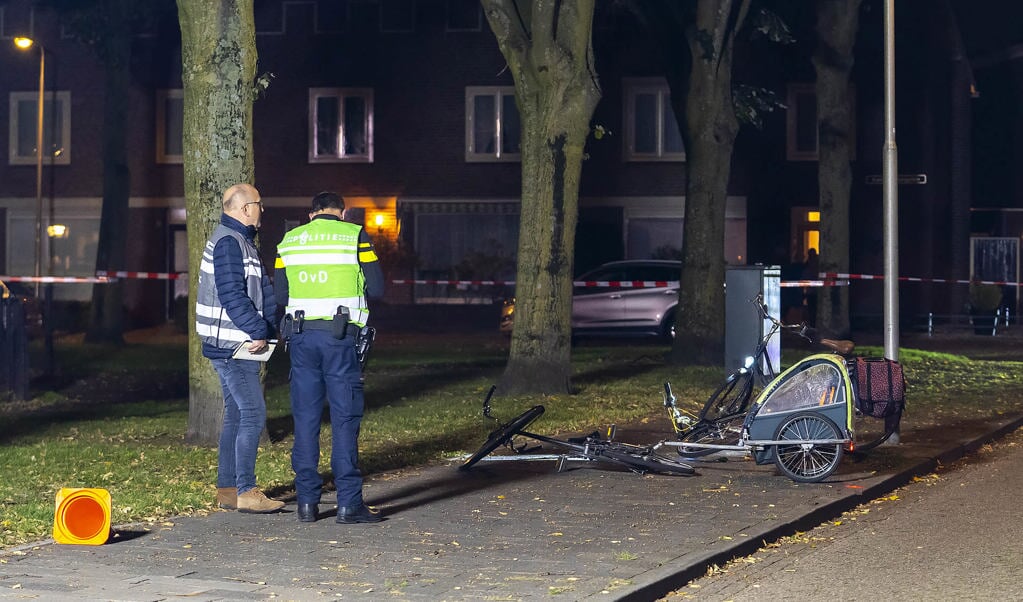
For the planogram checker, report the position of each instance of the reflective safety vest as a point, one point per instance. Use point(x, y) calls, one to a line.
point(212, 324)
point(321, 260)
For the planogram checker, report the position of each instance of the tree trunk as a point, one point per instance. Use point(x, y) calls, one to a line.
point(709, 132)
point(837, 24)
point(218, 52)
point(549, 51)
point(106, 323)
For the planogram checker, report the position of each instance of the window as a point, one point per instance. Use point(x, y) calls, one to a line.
point(464, 15)
point(73, 254)
point(479, 243)
point(340, 125)
point(492, 128)
point(806, 233)
point(170, 115)
point(656, 233)
point(801, 122)
point(651, 131)
point(397, 16)
point(56, 128)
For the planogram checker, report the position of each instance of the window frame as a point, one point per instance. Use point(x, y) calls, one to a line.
point(162, 96)
point(646, 85)
point(499, 93)
point(792, 150)
point(341, 94)
point(60, 96)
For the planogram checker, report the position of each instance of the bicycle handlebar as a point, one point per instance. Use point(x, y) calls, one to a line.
point(801, 329)
point(839, 346)
point(486, 402)
point(669, 397)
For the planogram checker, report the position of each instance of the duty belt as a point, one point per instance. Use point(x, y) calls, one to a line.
point(352, 330)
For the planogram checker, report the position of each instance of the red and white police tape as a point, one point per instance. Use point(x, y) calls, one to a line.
point(827, 279)
point(615, 283)
point(56, 279)
point(914, 279)
point(102, 276)
point(143, 275)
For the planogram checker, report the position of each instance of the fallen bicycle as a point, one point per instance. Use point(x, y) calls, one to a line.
point(590, 448)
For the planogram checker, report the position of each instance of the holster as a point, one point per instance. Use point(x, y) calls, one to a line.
point(363, 344)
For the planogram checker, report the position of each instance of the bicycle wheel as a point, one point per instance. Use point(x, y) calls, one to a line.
point(807, 462)
point(731, 398)
point(648, 462)
point(503, 434)
point(719, 432)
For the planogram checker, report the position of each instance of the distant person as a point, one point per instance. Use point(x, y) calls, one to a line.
point(235, 305)
point(325, 270)
point(812, 267)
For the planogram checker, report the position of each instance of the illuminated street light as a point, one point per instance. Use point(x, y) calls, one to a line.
point(24, 44)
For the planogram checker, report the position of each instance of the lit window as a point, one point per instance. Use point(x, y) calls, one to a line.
point(651, 131)
point(340, 125)
point(170, 115)
point(24, 128)
point(492, 126)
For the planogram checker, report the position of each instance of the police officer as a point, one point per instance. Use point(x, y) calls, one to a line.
point(324, 271)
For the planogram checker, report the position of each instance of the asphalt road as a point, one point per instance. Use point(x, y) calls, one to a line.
point(956, 534)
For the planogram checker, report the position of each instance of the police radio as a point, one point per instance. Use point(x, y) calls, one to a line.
point(339, 327)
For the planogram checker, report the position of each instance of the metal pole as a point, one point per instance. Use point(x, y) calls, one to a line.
point(891, 193)
point(39, 166)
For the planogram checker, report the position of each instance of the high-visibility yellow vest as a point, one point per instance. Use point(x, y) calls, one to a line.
point(321, 260)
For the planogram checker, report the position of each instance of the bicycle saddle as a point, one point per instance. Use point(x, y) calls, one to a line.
point(839, 346)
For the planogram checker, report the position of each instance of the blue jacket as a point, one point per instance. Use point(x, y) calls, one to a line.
point(230, 280)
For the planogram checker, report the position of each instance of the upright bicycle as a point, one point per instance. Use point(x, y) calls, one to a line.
point(589, 448)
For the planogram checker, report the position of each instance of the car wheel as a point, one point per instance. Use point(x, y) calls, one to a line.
point(668, 326)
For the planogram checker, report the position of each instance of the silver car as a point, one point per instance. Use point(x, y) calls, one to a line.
point(602, 310)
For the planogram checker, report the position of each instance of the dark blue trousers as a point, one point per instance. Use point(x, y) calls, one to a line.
point(326, 369)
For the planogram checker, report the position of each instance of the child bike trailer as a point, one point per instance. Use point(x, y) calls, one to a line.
point(803, 420)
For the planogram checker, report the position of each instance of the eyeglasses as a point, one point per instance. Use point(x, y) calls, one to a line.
point(260, 203)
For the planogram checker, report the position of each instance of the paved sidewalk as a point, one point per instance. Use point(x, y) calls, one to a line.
point(506, 531)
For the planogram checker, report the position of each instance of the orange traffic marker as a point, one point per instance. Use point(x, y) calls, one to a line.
point(82, 516)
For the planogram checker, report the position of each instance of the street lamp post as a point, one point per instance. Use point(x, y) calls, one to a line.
point(24, 44)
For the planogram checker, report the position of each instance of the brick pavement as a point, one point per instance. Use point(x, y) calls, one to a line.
point(508, 531)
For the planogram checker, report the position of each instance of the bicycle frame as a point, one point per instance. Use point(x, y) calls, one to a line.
point(592, 448)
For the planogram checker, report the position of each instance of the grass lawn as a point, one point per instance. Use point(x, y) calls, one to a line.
point(116, 416)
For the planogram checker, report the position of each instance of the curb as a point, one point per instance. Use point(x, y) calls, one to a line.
point(667, 579)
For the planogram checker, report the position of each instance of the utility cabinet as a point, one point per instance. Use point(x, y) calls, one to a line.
point(743, 327)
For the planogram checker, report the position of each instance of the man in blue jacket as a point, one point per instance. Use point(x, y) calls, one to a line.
point(235, 306)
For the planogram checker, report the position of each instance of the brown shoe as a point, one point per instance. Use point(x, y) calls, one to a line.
point(254, 501)
point(227, 498)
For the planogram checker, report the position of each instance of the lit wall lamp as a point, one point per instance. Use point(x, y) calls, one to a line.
point(25, 43)
point(58, 231)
